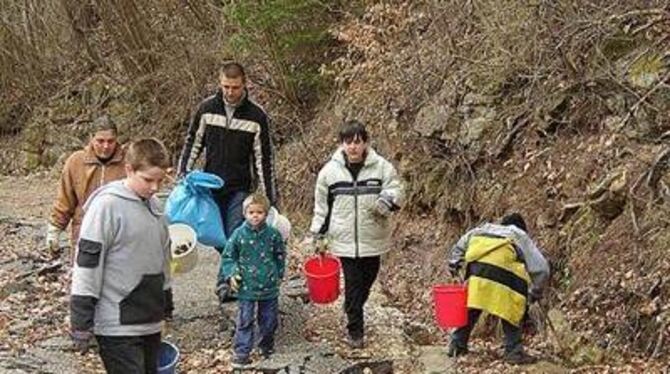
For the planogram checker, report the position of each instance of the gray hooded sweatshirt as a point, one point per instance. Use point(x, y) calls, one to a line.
point(536, 265)
point(122, 265)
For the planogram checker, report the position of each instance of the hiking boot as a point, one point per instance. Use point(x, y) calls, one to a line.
point(355, 343)
point(455, 351)
point(519, 358)
point(240, 362)
point(266, 353)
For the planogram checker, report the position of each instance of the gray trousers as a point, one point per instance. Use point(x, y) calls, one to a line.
point(512, 340)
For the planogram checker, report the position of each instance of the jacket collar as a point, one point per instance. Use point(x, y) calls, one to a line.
point(222, 99)
point(260, 228)
point(371, 158)
point(91, 158)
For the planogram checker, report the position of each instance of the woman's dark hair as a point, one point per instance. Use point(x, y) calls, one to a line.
point(514, 219)
point(351, 130)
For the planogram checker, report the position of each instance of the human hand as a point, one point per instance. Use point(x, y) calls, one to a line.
point(383, 207)
point(81, 340)
point(235, 282)
point(53, 237)
point(454, 269)
point(223, 292)
point(314, 243)
point(308, 243)
point(168, 310)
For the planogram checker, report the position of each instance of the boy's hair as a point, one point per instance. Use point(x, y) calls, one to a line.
point(256, 199)
point(514, 219)
point(146, 153)
point(232, 69)
point(351, 130)
point(103, 123)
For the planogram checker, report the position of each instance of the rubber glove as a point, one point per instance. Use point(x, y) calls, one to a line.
point(53, 237)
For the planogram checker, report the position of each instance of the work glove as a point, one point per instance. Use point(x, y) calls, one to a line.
point(383, 206)
point(385, 203)
point(53, 237)
point(81, 340)
point(235, 282)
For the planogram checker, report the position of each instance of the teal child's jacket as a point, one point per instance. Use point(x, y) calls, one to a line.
point(258, 255)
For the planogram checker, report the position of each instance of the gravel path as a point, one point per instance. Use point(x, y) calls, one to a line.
point(34, 311)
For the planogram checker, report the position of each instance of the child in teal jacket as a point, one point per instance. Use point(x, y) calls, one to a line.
point(253, 263)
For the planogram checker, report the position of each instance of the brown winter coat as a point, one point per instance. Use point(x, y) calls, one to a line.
point(82, 174)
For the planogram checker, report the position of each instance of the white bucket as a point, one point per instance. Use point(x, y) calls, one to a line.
point(180, 235)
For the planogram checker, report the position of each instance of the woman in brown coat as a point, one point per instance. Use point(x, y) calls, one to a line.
point(100, 162)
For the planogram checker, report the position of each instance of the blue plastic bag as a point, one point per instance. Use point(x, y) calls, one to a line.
point(191, 202)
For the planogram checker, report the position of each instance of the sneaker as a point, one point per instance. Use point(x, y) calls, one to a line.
point(240, 362)
point(519, 358)
point(355, 343)
point(455, 351)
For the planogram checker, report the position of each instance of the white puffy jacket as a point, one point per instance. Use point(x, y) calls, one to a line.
point(343, 207)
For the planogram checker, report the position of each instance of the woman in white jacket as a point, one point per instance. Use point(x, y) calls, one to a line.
point(356, 192)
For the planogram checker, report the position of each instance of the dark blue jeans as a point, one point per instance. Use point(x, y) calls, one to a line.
point(267, 314)
point(232, 216)
point(512, 333)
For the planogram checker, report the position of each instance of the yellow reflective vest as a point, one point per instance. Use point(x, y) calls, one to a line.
point(497, 278)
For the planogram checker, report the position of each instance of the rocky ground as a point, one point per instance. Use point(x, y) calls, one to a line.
point(33, 316)
point(33, 309)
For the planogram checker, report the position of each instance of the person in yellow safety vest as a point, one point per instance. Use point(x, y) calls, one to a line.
point(504, 271)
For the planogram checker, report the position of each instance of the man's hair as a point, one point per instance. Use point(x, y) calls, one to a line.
point(514, 219)
point(232, 70)
point(256, 199)
point(146, 153)
point(103, 123)
point(351, 130)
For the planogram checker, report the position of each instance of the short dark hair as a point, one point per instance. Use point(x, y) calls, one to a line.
point(351, 130)
point(146, 153)
point(232, 69)
point(103, 123)
point(514, 219)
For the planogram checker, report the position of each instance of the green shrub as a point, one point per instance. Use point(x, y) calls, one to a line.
point(289, 37)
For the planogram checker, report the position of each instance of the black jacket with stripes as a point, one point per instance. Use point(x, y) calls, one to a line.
point(238, 149)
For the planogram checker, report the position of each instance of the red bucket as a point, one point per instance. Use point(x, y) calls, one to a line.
point(323, 278)
point(451, 308)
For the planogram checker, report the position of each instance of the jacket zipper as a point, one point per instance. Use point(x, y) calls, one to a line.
point(356, 215)
point(102, 176)
point(355, 180)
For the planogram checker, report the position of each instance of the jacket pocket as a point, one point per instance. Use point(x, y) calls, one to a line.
point(88, 253)
point(144, 304)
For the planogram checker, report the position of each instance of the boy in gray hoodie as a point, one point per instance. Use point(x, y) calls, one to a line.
point(121, 277)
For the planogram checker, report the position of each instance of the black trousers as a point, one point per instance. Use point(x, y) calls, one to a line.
point(130, 354)
point(359, 275)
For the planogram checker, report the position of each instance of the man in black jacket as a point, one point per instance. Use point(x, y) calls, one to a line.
point(235, 135)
